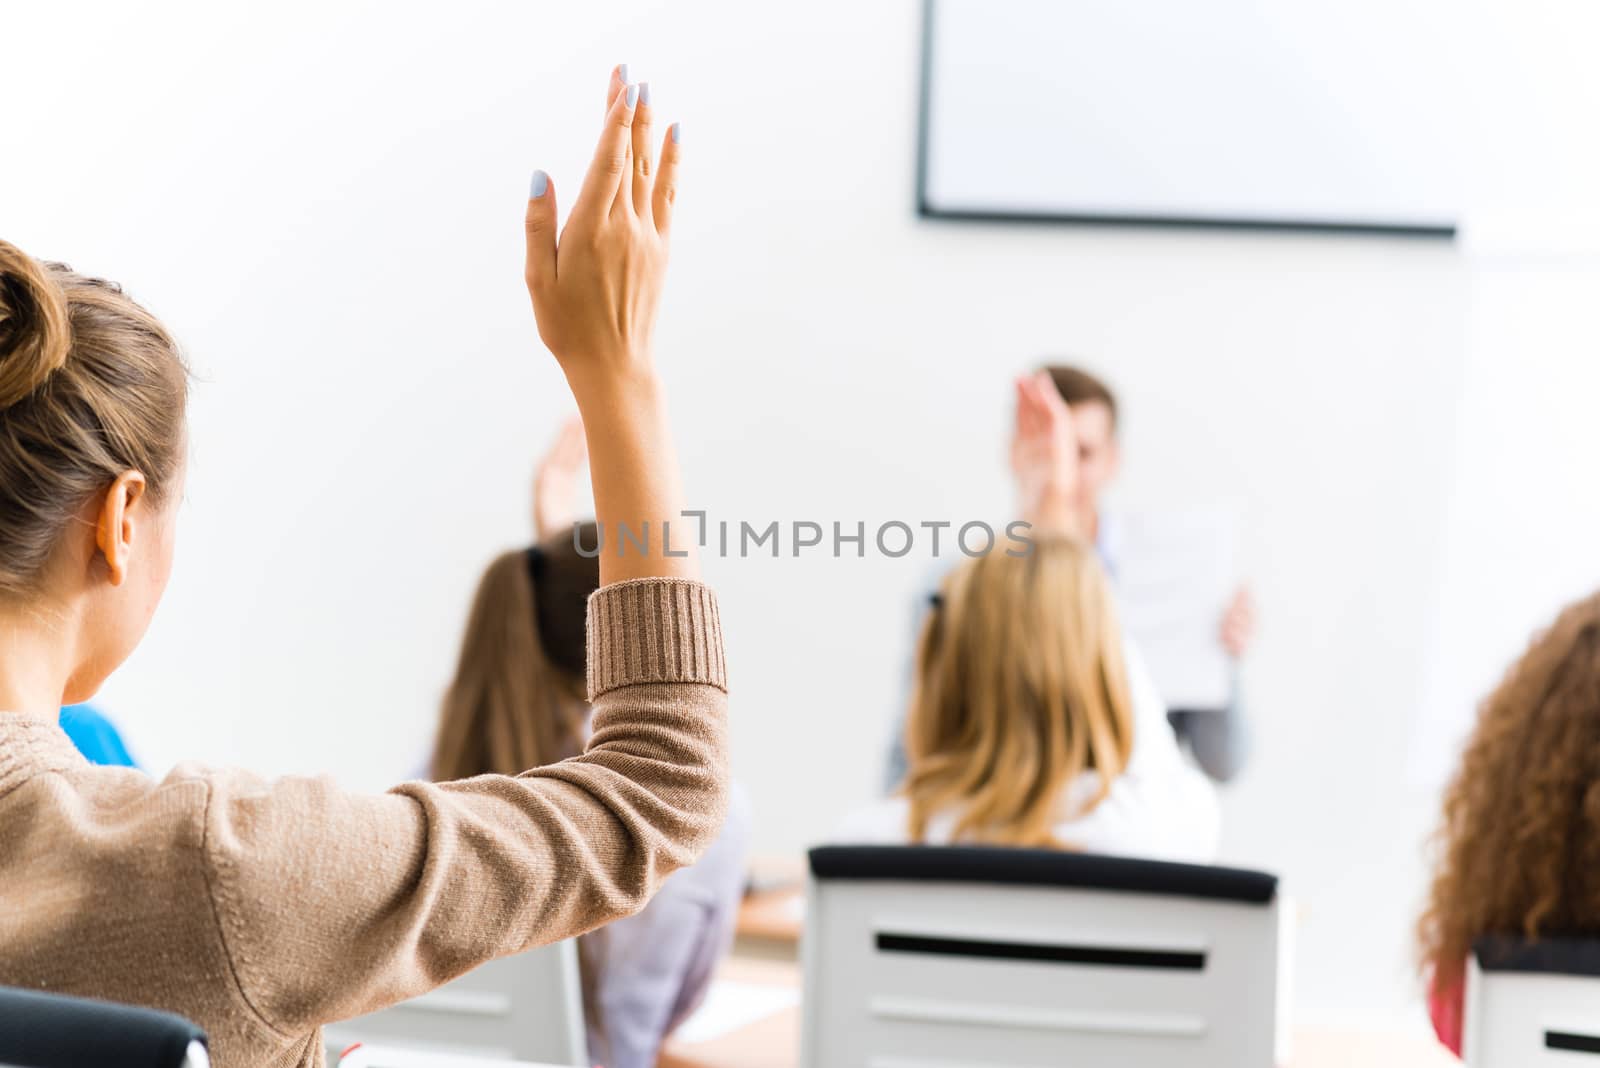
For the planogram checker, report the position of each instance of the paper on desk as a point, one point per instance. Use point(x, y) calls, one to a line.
point(731, 1005)
point(1175, 574)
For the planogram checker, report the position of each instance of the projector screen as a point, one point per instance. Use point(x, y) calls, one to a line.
point(1273, 113)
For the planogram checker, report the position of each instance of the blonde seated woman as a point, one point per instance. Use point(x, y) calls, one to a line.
point(518, 701)
point(1032, 722)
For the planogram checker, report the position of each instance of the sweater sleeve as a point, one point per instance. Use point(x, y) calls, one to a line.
point(332, 904)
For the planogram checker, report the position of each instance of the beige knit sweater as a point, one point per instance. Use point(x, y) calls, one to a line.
point(264, 909)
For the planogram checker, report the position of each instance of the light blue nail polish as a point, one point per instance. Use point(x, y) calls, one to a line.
point(540, 183)
point(633, 95)
point(677, 132)
point(622, 72)
point(644, 92)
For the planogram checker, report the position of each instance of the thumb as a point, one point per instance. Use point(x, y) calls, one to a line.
point(540, 225)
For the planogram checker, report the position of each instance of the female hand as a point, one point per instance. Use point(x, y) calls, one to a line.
point(595, 294)
point(1044, 457)
point(555, 481)
point(595, 291)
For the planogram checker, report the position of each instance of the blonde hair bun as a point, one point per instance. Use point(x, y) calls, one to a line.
point(35, 332)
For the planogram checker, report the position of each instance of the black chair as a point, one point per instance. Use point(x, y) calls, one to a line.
point(52, 1031)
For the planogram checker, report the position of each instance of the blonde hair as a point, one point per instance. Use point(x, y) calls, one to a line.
point(517, 700)
point(1021, 688)
point(91, 386)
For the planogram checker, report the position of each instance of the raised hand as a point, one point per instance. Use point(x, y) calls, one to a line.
point(1044, 458)
point(555, 481)
point(595, 293)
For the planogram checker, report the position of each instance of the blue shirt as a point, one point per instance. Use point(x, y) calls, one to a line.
point(95, 737)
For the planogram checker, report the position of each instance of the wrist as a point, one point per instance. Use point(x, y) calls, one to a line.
point(608, 388)
point(1055, 514)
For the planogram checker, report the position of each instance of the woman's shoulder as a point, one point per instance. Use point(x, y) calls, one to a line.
point(1168, 814)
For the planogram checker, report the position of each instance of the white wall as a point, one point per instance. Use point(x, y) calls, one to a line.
point(324, 203)
point(1522, 516)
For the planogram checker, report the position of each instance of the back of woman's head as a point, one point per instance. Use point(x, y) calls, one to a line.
point(1021, 688)
point(517, 699)
point(1520, 837)
point(91, 386)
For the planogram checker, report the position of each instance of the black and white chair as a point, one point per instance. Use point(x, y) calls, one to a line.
point(1531, 1004)
point(958, 957)
point(52, 1031)
point(527, 1007)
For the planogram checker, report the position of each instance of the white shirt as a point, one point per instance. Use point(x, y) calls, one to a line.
point(1160, 807)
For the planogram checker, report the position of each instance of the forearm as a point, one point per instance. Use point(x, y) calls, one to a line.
point(1055, 515)
point(634, 470)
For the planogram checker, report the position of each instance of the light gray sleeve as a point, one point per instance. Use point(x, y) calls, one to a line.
point(1219, 739)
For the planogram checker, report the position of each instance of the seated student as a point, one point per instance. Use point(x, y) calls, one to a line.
point(518, 701)
point(1520, 838)
point(1032, 723)
point(1218, 739)
point(263, 909)
point(93, 735)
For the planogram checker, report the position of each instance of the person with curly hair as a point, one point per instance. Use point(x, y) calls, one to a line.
point(1519, 843)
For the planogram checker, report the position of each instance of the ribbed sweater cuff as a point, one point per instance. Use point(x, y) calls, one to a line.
point(654, 630)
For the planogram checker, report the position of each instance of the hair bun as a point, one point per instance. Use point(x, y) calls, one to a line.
point(35, 333)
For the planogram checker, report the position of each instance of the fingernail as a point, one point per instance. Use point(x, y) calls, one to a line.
point(536, 188)
point(644, 92)
point(677, 132)
point(622, 73)
point(633, 95)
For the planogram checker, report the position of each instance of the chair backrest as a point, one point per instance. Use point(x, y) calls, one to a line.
point(1530, 1004)
point(968, 956)
point(53, 1031)
point(527, 1007)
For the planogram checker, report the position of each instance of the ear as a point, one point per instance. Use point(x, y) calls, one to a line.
point(116, 526)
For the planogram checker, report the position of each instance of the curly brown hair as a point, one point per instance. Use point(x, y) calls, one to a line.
point(1519, 843)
